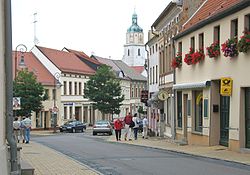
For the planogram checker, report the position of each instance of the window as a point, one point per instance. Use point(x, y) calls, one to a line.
point(156, 74)
point(128, 52)
point(75, 88)
point(198, 110)
point(153, 75)
point(192, 43)
point(132, 92)
point(80, 88)
point(139, 52)
point(179, 109)
point(180, 47)
point(64, 88)
point(150, 51)
point(54, 94)
point(169, 111)
point(150, 78)
point(136, 94)
point(46, 93)
point(234, 28)
point(70, 88)
point(217, 34)
point(70, 112)
point(156, 47)
point(201, 41)
point(65, 112)
point(247, 22)
point(205, 107)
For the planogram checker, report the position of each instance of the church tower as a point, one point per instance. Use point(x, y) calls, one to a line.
point(134, 49)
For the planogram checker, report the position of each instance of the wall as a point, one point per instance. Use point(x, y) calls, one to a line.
point(3, 150)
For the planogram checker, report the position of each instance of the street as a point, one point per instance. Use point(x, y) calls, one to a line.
point(117, 158)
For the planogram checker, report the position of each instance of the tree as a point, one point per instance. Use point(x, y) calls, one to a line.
point(105, 91)
point(32, 93)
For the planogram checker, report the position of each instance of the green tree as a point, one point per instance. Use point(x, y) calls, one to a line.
point(105, 91)
point(31, 92)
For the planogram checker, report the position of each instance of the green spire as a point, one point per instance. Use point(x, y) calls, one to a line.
point(134, 27)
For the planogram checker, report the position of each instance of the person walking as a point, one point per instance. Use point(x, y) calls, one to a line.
point(22, 130)
point(136, 127)
point(127, 122)
point(27, 125)
point(16, 129)
point(118, 128)
point(145, 128)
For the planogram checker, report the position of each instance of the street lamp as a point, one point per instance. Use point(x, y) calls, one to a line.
point(57, 84)
point(22, 48)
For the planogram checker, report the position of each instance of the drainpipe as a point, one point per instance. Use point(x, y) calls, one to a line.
point(174, 113)
point(9, 87)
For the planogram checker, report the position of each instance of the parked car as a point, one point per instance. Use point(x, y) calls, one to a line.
point(73, 126)
point(102, 126)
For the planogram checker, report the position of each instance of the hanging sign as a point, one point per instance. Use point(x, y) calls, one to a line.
point(226, 85)
point(163, 95)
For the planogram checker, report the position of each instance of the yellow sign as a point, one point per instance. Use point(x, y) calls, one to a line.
point(226, 85)
point(163, 95)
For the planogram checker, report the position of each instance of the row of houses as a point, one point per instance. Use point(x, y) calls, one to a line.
point(71, 69)
point(198, 78)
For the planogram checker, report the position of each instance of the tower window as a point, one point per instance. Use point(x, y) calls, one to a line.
point(139, 52)
point(128, 52)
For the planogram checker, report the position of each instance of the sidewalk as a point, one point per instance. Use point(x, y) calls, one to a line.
point(216, 152)
point(47, 161)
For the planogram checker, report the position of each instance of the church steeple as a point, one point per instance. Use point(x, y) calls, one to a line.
point(134, 27)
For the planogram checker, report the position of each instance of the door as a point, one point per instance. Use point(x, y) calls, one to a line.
point(247, 116)
point(224, 120)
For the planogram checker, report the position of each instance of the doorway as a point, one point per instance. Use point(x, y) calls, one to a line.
point(224, 120)
point(185, 102)
point(247, 116)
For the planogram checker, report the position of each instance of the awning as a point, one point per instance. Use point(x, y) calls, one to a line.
point(196, 85)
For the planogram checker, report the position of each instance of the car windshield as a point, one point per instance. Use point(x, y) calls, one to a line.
point(70, 123)
point(102, 123)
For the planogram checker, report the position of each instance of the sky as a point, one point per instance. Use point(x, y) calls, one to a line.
point(91, 26)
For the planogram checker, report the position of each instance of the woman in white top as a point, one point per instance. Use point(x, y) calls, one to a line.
point(136, 121)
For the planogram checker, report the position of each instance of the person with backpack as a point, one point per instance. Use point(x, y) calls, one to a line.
point(136, 121)
point(16, 129)
point(127, 124)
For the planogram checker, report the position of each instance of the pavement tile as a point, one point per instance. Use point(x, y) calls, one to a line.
point(47, 161)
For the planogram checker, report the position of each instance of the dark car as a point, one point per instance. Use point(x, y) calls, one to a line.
point(73, 126)
point(102, 126)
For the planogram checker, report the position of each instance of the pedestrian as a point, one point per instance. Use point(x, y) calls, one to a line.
point(16, 129)
point(145, 128)
point(127, 122)
point(118, 128)
point(136, 120)
point(22, 130)
point(27, 125)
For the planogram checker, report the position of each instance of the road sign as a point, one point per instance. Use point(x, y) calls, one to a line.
point(226, 85)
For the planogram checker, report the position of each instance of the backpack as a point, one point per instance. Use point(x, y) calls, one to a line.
point(132, 124)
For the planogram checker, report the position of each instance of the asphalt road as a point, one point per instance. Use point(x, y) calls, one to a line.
point(123, 159)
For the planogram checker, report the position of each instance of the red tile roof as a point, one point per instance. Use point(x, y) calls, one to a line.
point(35, 66)
point(83, 55)
point(66, 61)
point(138, 69)
point(209, 9)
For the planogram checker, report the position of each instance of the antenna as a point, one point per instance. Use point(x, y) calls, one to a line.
point(35, 38)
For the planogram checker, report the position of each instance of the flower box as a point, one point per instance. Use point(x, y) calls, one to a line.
point(177, 61)
point(244, 42)
point(229, 48)
point(188, 57)
point(198, 56)
point(213, 51)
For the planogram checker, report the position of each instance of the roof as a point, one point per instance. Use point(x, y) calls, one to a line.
point(118, 66)
point(66, 61)
point(210, 11)
point(83, 55)
point(134, 27)
point(138, 69)
point(35, 66)
point(209, 8)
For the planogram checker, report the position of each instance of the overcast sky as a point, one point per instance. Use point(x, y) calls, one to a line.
point(97, 26)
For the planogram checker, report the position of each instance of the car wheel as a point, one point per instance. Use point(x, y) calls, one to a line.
point(94, 133)
point(82, 130)
point(61, 130)
point(73, 130)
point(110, 133)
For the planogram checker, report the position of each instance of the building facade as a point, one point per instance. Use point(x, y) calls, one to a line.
point(213, 93)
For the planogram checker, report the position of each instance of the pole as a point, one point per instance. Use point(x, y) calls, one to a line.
point(54, 111)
